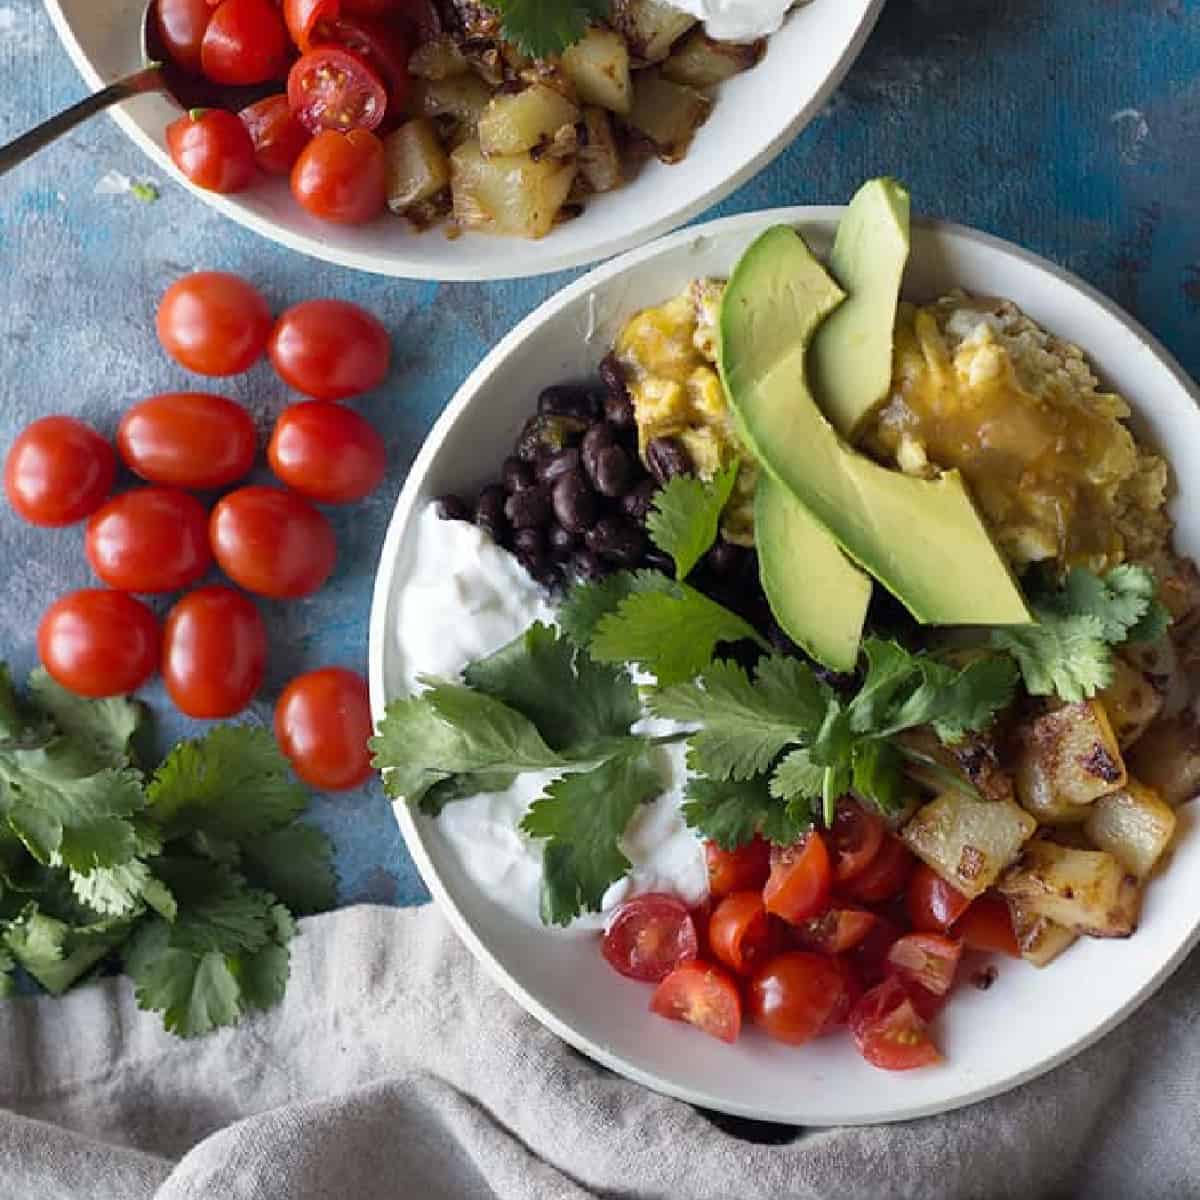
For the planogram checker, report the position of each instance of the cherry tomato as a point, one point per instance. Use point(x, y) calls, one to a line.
point(181, 25)
point(739, 933)
point(888, 1030)
point(301, 17)
point(212, 149)
point(704, 996)
point(152, 539)
point(323, 724)
point(333, 88)
point(382, 46)
point(99, 643)
point(933, 905)
point(926, 959)
point(801, 876)
point(272, 542)
point(870, 955)
point(737, 870)
point(330, 349)
point(373, 8)
point(649, 936)
point(277, 136)
point(885, 875)
point(854, 839)
point(852, 991)
point(213, 323)
point(188, 440)
point(214, 652)
point(795, 995)
point(341, 177)
point(987, 925)
point(836, 930)
point(58, 471)
point(245, 42)
point(326, 452)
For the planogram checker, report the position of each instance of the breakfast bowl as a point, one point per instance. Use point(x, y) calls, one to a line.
point(756, 114)
point(560, 977)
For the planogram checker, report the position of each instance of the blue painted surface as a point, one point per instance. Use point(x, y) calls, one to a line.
point(1070, 126)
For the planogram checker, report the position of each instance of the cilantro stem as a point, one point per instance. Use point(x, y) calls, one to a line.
point(828, 798)
point(668, 739)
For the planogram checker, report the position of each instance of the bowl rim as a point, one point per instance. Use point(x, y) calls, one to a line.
point(464, 397)
point(540, 263)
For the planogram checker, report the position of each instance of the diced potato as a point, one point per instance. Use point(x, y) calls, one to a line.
point(507, 194)
point(1040, 940)
point(1131, 702)
point(968, 842)
point(650, 27)
point(1086, 891)
point(597, 155)
point(1167, 758)
point(515, 122)
point(417, 166)
point(667, 114)
point(1134, 825)
point(701, 61)
point(438, 58)
point(463, 97)
point(975, 759)
point(598, 66)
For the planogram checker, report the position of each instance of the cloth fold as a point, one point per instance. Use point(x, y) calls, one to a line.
point(395, 1067)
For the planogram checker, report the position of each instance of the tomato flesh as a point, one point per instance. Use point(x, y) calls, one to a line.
point(212, 150)
point(928, 960)
point(885, 875)
point(181, 25)
point(888, 1030)
point(277, 135)
point(245, 42)
point(800, 880)
point(794, 996)
point(302, 16)
point(382, 46)
point(737, 870)
point(854, 839)
point(99, 643)
point(213, 323)
point(323, 724)
point(341, 177)
point(327, 452)
point(649, 936)
point(58, 471)
point(332, 88)
point(987, 925)
point(836, 930)
point(330, 349)
point(703, 995)
point(739, 932)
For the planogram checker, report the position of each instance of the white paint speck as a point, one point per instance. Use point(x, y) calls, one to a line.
point(1132, 132)
point(112, 183)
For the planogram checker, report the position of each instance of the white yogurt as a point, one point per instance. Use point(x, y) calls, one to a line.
point(737, 20)
point(463, 598)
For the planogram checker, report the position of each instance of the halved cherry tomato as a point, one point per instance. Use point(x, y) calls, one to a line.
point(58, 471)
point(885, 875)
point(703, 995)
point(870, 955)
point(330, 349)
point(152, 539)
point(323, 724)
point(850, 996)
point(933, 905)
point(795, 995)
point(272, 542)
point(739, 933)
point(800, 880)
point(245, 42)
point(333, 88)
point(213, 323)
point(341, 177)
point(380, 44)
point(928, 960)
point(301, 17)
point(737, 870)
point(888, 1030)
point(987, 925)
point(854, 839)
point(99, 643)
point(277, 135)
point(647, 937)
point(327, 452)
point(836, 930)
point(181, 25)
point(212, 149)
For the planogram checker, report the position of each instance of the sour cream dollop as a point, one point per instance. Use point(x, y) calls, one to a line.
point(463, 598)
point(736, 20)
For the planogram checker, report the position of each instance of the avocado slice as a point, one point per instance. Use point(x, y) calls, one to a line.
point(850, 361)
point(921, 538)
point(818, 596)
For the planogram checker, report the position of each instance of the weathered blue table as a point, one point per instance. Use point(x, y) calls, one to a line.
point(1070, 126)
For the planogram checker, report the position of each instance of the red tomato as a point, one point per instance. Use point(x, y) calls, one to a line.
point(58, 471)
point(870, 955)
point(987, 925)
point(795, 995)
point(214, 652)
point(888, 1030)
point(801, 876)
point(928, 960)
point(836, 930)
point(301, 17)
point(99, 643)
point(341, 177)
point(854, 839)
point(739, 934)
point(330, 349)
point(885, 875)
point(332, 88)
point(323, 724)
point(277, 136)
point(649, 936)
point(152, 539)
point(245, 42)
point(212, 149)
point(851, 994)
point(213, 323)
point(737, 870)
point(704, 996)
point(382, 46)
point(933, 905)
point(272, 542)
point(181, 25)
point(326, 452)
point(188, 440)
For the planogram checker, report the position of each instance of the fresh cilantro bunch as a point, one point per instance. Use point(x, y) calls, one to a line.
point(190, 875)
point(545, 27)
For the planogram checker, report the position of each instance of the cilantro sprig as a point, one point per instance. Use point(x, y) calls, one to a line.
point(686, 514)
point(544, 27)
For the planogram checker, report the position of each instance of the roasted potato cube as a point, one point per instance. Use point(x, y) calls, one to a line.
point(463, 97)
point(1086, 891)
point(667, 114)
point(438, 58)
point(1040, 940)
point(1135, 825)
point(516, 122)
point(701, 61)
point(975, 759)
point(1131, 701)
point(598, 66)
point(597, 155)
point(1167, 758)
point(968, 842)
point(650, 27)
point(508, 194)
point(417, 166)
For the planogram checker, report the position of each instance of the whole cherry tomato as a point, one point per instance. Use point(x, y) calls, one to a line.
point(58, 471)
point(341, 177)
point(332, 88)
point(704, 995)
point(649, 936)
point(181, 25)
point(213, 323)
point(885, 875)
point(302, 16)
point(245, 42)
point(99, 643)
point(323, 724)
point(272, 542)
point(152, 539)
point(800, 880)
point(330, 349)
point(214, 652)
point(987, 925)
point(794, 996)
point(326, 452)
point(854, 838)
point(933, 904)
point(277, 136)
point(212, 149)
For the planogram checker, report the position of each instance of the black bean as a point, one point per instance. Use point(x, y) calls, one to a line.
point(597, 438)
point(529, 545)
point(658, 561)
point(561, 542)
point(489, 512)
point(516, 475)
point(528, 508)
point(619, 411)
point(574, 502)
point(636, 503)
point(616, 539)
point(725, 558)
point(545, 433)
point(612, 472)
point(588, 566)
point(612, 374)
point(452, 508)
point(551, 466)
point(569, 400)
point(666, 458)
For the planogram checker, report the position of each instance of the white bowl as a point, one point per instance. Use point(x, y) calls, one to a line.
point(755, 117)
point(1029, 1020)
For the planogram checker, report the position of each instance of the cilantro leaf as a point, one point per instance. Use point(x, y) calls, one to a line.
point(123, 890)
point(56, 953)
point(295, 865)
point(545, 27)
point(263, 975)
point(1153, 626)
point(877, 771)
point(586, 604)
point(461, 787)
point(686, 513)
point(103, 727)
point(6, 967)
point(1064, 656)
point(1118, 600)
point(797, 777)
point(967, 702)
point(730, 813)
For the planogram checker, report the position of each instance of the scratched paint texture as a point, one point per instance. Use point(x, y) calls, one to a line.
point(1070, 126)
